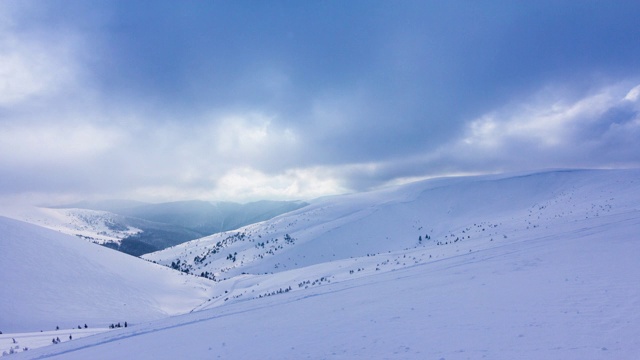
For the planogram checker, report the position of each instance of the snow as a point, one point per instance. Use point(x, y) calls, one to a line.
point(96, 226)
point(27, 341)
point(51, 279)
point(527, 266)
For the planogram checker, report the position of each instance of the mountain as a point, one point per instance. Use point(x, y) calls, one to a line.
point(210, 217)
point(110, 205)
point(528, 265)
point(51, 279)
point(138, 228)
point(133, 236)
point(435, 214)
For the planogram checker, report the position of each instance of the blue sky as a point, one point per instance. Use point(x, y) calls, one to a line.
point(246, 100)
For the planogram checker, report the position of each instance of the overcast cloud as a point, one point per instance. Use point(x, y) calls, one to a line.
point(246, 100)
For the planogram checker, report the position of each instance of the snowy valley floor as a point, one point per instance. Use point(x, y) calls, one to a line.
point(570, 292)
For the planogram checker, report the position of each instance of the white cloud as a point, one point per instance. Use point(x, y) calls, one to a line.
point(35, 64)
point(633, 95)
point(56, 143)
point(543, 131)
point(250, 184)
point(545, 123)
point(247, 184)
point(248, 136)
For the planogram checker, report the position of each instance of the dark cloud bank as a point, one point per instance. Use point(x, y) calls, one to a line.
point(242, 100)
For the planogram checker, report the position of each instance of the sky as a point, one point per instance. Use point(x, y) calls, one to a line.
point(247, 100)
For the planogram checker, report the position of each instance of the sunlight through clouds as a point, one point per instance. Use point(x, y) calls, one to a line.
point(249, 184)
point(222, 100)
point(545, 124)
point(249, 135)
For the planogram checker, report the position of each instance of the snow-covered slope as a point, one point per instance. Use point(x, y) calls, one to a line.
point(51, 279)
point(567, 291)
point(528, 266)
point(343, 237)
point(96, 226)
point(138, 228)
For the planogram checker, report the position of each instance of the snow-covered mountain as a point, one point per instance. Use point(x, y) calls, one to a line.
point(99, 227)
point(138, 228)
point(528, 266)
point(355, 235)
point(208, 217)
point(130, 235)
point(52, 279)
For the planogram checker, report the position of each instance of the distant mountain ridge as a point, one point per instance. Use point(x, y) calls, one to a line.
point(210, 217)
point(111, 205)
point(166, 224)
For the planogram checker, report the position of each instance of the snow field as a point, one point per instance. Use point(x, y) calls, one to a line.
point(527, 266)
point(567, 296)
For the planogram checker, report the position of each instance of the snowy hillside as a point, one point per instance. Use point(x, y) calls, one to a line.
point(51, 279)
point(527, 266)
point(138, 228)
point(344, 237)
point(96, 226)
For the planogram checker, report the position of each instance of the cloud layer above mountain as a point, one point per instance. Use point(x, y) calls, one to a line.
point(243, 100)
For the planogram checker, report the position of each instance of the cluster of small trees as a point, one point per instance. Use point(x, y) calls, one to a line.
point(279, 291)
point(79, 327)
point(56, 340)
point(289, 240)
point(113, 326)
point(308, 283)
point(219, 246)
point(180, 266)
point(208, 275)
